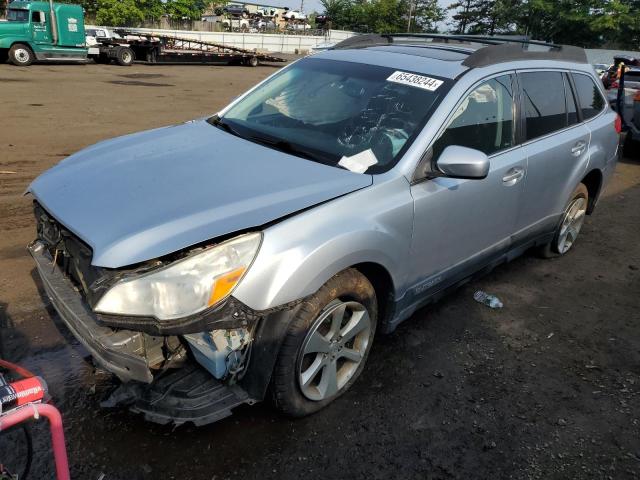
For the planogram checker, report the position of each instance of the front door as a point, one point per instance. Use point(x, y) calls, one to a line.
point(460, 224)
point(40, 27)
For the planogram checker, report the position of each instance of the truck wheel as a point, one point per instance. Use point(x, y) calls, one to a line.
point(326, 345)
point(125, 57)
point(252, 61)
point(21, 55)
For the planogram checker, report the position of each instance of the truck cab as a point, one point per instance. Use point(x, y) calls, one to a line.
point(42, 31)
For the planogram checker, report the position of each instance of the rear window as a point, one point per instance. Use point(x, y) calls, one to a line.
point(589, 96)
point(544, 103)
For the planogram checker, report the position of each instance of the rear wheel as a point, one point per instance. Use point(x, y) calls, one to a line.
point(252, 62)
point(125, 56)
point(326, 345)
point(570, 224)
point(21, 55)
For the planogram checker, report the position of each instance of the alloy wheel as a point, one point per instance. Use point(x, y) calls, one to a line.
point(571, 224)
point(333, 349)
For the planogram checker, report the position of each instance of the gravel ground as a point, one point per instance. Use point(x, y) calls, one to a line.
point(547, 387)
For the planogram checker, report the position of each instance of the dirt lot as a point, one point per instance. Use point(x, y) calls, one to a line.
point(548, 387)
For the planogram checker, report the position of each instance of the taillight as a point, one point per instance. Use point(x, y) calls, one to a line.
point(636, 97)
point(618, 124)
point(615, 85)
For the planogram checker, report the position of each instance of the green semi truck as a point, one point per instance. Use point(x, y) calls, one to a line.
point(42, 31)
point(47, 31)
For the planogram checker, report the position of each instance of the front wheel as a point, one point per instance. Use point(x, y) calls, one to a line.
point(21, 55)
point(570, 224)
point(326, 345)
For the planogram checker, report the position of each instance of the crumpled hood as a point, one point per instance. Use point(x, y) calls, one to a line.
point(149, 194)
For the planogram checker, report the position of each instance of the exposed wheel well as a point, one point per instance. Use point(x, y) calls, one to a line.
point(382, 284)
point(593, 182)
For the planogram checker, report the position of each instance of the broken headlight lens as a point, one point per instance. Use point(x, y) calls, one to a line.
point(185, 287)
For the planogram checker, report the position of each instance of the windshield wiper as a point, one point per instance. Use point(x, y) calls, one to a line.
point(277, 144)
point(288, 147)
point(217, 121)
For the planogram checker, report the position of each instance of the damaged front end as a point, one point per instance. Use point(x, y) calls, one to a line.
point(175, 369)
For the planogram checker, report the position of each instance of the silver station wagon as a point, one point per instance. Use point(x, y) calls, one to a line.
point(256, 253)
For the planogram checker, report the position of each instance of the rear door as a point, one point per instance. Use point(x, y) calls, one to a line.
point(461, 224)
point(557, 149)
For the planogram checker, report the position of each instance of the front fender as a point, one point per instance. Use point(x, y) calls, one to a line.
point(299, 254)
point(6, 42)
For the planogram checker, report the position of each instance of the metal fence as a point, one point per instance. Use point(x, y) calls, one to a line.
point(277, 43)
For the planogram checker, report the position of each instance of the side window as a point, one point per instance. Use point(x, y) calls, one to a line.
point(572, 112)
point(544, 103)
point(589, 96)
point(484, 120)
point(37, 17)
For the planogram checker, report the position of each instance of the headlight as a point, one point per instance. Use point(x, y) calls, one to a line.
point(185, 287)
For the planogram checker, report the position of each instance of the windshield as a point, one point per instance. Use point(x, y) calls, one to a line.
point(17, 15)
point(361, 117)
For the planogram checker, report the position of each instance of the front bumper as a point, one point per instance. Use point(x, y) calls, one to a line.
point(113, 350)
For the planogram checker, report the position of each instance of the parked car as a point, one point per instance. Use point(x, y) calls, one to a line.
point(95, 34)
point(236, 23)
point(256, 253)
point(236, 10)
point(266, 12)
point(294, 15)
point(264, 24)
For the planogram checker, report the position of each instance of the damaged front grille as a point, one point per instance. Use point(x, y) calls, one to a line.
point(72, 256)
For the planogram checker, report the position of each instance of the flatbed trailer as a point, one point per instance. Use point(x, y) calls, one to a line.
point(156, 48)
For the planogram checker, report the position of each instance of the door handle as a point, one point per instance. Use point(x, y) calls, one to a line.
point(513, 176)
point(578, 148)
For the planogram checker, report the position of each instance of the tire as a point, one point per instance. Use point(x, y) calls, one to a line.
point(125, 57)
point(21, 55)
point(252, 62)
point(314, 329)
point(570, 224)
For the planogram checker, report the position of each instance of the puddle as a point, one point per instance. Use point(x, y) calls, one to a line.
point(142, 75)
point(140, 84)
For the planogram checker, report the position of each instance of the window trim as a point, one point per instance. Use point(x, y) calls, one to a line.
point(602, 95)
point(523, 110)
point(568, 84)
point(466, 93)
point(583, 122)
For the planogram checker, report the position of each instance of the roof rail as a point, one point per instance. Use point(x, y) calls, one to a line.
point(496, 49)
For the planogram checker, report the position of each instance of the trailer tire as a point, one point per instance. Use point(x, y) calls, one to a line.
point(125, 56)
point(21, 55)
point(252, 62)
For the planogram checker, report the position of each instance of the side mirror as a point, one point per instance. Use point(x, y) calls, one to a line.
point(463, 162)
